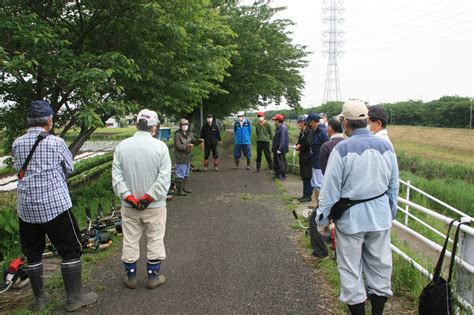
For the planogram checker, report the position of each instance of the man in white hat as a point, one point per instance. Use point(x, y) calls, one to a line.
point(141, 177)
point(363, 169)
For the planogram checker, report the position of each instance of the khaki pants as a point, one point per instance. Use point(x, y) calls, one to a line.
point(152, 222)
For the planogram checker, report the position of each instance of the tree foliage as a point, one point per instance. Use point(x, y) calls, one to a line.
point(96, 59)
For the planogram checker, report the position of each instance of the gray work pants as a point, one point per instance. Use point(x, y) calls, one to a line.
point(367, 252)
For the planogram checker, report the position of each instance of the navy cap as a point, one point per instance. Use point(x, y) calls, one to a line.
point(312, 116)
point(39, 109)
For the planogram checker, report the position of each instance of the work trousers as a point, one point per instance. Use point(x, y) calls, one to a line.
point(62, 231)
point(280, 165)
point(367, 252)
point(307, 188)
point(265, 147)
point(135, 223)
point(207, 151)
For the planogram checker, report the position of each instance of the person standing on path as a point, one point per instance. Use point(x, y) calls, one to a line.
point(362, 167)
point(141, 177)
point(318, 138)
point(242, 137)
point(280, 147)
point(184, 143)
point(264, 134)
point(377, 123)
point(335, 136)
point(304, 149)
point(44, 207)
point(211, 136)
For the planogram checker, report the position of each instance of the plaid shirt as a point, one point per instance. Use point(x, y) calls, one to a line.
point(43, 193)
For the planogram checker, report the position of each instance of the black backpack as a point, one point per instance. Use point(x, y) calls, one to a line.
point(436, 298)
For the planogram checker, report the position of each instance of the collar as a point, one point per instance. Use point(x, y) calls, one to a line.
point(382, 132)
point(361, 132)
point(36, 129)
point(142, 134)
point(337, 135)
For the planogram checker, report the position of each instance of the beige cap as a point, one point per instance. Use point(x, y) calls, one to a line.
point(184, 121)
point(150, 116)
point(354, 110)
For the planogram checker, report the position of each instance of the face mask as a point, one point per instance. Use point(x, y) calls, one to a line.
point(241, 118)
point(209, 121)
point(369, 127)
point(184, 128)
point(261, 118)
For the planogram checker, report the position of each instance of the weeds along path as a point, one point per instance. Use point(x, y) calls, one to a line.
point(228, 251)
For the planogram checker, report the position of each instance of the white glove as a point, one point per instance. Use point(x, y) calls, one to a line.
point(278, 152)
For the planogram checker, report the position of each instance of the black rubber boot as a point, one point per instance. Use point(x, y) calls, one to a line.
point(71, 271)
point(185, 188)
point(179, 188)
point(357, 309)
point(248, 165)
point(41, 297)
point(378, 304)
point(236, 167)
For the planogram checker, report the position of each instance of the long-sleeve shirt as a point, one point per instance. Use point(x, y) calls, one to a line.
point(280, 140)
point(42, 193)
point(183, 154)
point(210, 134)
point(142, 165)
point(263, 131)
point(319, 136)
point(361, 167)
point(327, 148)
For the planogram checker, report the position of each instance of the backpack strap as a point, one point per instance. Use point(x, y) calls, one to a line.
point(40, 137)
point(439, 265)
point(453, 252)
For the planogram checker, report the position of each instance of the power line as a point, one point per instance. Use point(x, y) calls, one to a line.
point(383, 47)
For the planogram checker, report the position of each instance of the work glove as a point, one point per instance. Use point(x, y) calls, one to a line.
point(278, 152)
point(145, 201)
point(131, 200)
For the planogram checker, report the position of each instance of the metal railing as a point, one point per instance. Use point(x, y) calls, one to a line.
point(465, 256)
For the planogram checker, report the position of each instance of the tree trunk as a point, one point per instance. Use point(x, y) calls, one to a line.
point(84, 135)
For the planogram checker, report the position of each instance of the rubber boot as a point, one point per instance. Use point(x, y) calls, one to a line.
point(216, 165)
point(236, 167)
point(71, 271)
point(248, 164)
point(154, 279)
point(185, 184)
point(378, 304)
point(179, 188)
point(206, 164)
point(131, 278)
point(257, 167)
point(41, 297)
point(357, 309)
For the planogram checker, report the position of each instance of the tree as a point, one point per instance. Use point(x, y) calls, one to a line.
point(96, 59)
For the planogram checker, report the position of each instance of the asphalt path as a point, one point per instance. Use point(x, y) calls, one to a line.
point(228, 252)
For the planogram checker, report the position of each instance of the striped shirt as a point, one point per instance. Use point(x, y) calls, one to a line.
point(43, 193)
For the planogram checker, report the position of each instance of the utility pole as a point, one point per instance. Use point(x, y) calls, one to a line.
point(470, 116)
point(332, 42)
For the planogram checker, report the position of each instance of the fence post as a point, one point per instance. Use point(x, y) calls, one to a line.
point(407, 208)
point(465, 280)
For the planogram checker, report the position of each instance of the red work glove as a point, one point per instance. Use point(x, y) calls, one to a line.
point(130, 199)
point(145, 201)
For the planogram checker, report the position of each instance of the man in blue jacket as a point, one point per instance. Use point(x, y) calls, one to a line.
point(318, 138)
point(280, 147)
point(362, 167)
point(242, 135)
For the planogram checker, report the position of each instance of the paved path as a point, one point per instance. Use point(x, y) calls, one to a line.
point(229, 252)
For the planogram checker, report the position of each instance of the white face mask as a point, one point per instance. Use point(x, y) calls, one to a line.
point(369, 128)
point(241, 118)
point(261, 118)
point(184, 127)
point(209, 121)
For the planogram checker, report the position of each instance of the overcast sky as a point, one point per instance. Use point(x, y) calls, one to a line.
point(394, 50)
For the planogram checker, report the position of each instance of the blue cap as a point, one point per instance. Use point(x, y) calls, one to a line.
point(39, 109)
point(312, 116)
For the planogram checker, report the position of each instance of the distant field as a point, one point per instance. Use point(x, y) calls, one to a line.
point(447, 145)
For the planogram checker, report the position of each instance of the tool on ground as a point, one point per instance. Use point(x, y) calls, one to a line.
point(15, 275)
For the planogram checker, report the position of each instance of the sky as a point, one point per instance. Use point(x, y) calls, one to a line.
point(393, 50)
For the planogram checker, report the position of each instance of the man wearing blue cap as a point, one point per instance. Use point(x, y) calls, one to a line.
point(44, 207)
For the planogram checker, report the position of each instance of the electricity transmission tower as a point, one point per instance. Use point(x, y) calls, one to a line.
point(332, 43)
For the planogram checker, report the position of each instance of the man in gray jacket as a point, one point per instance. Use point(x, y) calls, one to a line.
point(141, 176)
